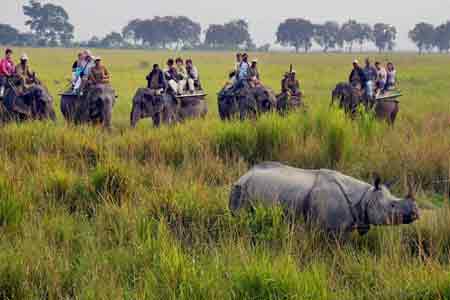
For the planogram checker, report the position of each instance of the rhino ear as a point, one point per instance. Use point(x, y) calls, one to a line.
point(411, 190)
point(377, 181)
point(391, 183)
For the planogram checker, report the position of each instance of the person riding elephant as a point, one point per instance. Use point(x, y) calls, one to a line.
point(182, 75)
point(99, 74)
point(156, 80)
point(291, 95)
point(254, 73)
point(290, 84)
point(357, 77)
point(7, 69)
point(24, 74)
point(193, 76)
point(171, 75)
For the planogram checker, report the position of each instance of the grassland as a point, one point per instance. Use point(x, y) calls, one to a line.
point(142, 214)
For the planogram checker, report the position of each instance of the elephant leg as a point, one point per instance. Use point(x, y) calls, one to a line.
point(107, 114)
point(135, 115)
point(156, 119)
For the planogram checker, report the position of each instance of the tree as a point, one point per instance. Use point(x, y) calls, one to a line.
point(8, 35)
point(129, 32)
point(349, 34)
point(50, 23)
point(442, 37)
point(365, 34)
point(296, 33)
point(326, 35)
point(161, 32)
point(232, 35)
point(384, 36)
point(113, 40)
point(423, 35)
point(184, 32)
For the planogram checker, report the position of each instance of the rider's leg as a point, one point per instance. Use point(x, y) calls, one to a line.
point(2, 86)
point(191, 85)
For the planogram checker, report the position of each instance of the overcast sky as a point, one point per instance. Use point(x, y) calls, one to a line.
point(98, 17)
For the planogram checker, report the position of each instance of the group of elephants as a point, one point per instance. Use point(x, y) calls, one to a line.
point(96, 104)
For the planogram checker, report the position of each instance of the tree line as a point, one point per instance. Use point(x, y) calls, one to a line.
point(49, 26)
point(427, 37)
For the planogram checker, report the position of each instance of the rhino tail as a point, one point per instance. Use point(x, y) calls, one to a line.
point(235, 199)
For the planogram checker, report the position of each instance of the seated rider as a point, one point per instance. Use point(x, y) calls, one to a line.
point(381, 77)
point(156, 81)
point(391, 80)
point(77, 70)
point(357, 77)
point(370, 73)
point(182, 75)
point(193, 76)
point(24, 73)
point(254, 73)
point(99, 74)
point(7, 70)
point(290, 84)
point(171, 75)
point(234, 73)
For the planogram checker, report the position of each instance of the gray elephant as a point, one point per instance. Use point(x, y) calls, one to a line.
point(334, 201)
point(191, 107)
point(287, 102)
point(148, 104)
point(166, 107)
point(349, 98)
point(34, 103)
point(95, 105)
point(387, 109)
point(385, 106)
point(248, 101)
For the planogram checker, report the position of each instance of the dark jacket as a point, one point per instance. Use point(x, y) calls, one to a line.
point(361, 75)
point(161, 83)
point(171, 74)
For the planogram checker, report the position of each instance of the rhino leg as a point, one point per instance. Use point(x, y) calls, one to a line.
point(235, 199)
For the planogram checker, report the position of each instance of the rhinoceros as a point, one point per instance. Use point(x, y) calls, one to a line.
point(335, 202)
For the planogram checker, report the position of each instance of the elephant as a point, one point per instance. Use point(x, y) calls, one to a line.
point(146, 104)
point(288, 102)
point(35, 103)
point(166, 107)
point(249, 102)
point(385, 106)
point(93, 106)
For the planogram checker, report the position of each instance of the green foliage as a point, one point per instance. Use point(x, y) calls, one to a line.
point(143, 213)
point(11, 209)
point(111, 182)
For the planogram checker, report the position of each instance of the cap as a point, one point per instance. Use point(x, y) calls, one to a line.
point(255, 60)
point(97, 58)
point(356, 61)
point(24, 57)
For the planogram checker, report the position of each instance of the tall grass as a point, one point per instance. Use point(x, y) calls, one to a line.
point(142, 214)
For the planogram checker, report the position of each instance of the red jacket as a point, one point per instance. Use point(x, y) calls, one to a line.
point(6, 67)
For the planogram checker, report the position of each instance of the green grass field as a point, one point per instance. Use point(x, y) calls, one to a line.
point(142, 214)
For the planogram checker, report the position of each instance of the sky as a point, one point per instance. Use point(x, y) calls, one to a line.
point(98, 17)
